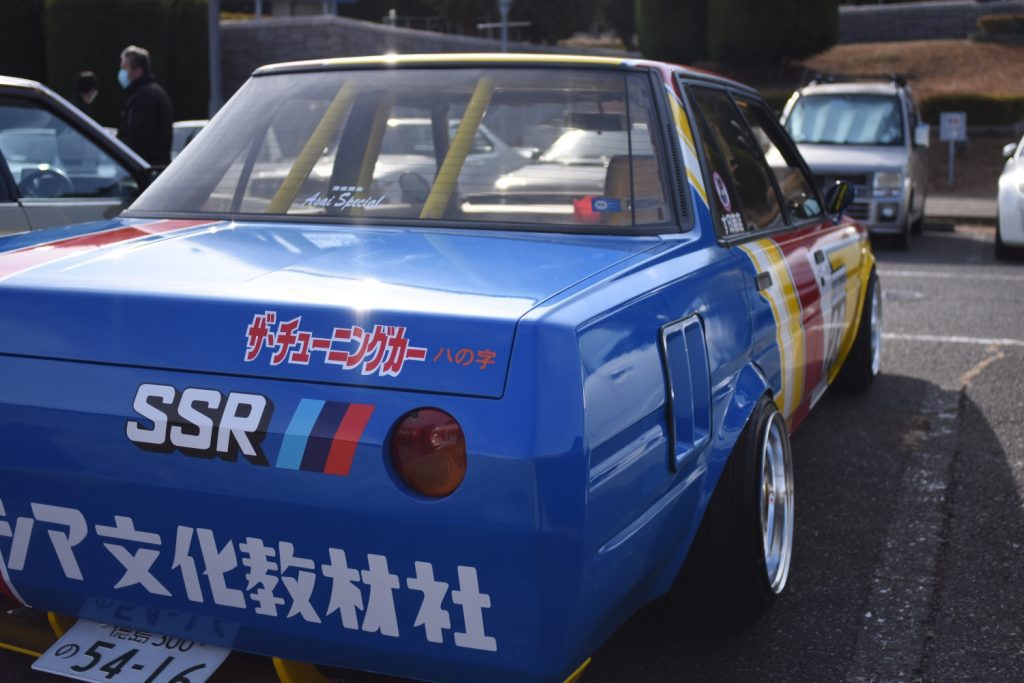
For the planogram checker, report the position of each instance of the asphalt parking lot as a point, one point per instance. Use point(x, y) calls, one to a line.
point(910, 529)
point(910, 526)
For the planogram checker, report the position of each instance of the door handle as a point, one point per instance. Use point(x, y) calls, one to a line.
point(763, 281)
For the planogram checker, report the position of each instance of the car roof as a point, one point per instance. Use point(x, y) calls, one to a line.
point(72, 111)
point(492, 58)
point(13, 82)
point(851, 88)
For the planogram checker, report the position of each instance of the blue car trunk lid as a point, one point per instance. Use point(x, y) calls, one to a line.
point(425, 310)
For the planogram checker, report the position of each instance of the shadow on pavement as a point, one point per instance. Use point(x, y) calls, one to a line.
point(849, 458)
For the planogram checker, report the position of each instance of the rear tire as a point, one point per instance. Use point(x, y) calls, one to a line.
point(1005, 252)
point(902, 240)
point(917, 226)
point(865, 358)
point(739, 561)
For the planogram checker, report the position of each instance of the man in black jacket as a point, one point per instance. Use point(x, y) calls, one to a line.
point(147, 117)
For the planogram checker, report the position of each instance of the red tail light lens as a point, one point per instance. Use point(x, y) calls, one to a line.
point(428, 451)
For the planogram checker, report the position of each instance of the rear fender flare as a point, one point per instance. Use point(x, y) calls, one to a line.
point(748, 386)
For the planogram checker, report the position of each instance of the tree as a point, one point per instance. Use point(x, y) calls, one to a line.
point(22, 40)
point(747, 32)
point(673, 30)
point(552, 21)
point(621, 16)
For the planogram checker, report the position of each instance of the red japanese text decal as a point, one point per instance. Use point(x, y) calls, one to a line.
point(383, 351)
point(464, 357)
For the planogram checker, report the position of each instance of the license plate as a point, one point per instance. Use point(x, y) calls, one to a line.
point(90, 651)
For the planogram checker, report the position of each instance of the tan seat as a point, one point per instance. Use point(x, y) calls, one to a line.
point(648, 191)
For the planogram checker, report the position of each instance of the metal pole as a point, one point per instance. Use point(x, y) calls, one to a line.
point(259, 8)
point(952, 157)
point(503, 8)
point(213, 31)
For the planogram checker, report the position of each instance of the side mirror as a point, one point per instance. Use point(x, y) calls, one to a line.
point(838, 199)
point(1009, 149)
point(922, 133)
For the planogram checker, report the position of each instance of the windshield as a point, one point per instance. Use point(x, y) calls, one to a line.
point(846, 120)
point(456, 145)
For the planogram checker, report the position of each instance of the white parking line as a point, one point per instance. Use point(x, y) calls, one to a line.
point(950, 276)
point(981, 341)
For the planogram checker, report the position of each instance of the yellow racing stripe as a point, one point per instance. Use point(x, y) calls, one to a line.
point(784, 301)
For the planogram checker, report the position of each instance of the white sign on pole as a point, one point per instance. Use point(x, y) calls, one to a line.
point(953, 126)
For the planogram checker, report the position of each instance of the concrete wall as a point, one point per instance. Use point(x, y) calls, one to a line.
point(917, 21)
point(249, 44)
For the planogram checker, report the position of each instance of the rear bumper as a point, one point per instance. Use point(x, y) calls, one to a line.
point(31, 632)
point(351, 571)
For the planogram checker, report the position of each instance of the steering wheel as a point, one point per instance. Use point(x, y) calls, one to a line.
point(46, 182)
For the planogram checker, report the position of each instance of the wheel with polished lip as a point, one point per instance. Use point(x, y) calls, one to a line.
point(739, 561)
point(865, 358)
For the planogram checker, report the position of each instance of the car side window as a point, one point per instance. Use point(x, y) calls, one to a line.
point(797, 189)
point(721, 190)
point(743, 157)
point(50, 159)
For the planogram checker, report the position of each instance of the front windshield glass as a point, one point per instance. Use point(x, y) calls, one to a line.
point(568, 147)
point(846, 120)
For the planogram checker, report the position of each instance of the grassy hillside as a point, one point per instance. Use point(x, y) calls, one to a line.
point(934, 66)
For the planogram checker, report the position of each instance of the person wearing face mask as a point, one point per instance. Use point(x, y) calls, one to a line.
point(85, 91)
point(147, 117)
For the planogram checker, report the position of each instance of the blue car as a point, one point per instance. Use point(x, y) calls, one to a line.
point(451, 429)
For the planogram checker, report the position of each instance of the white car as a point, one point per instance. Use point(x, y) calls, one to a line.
point(1010, 221)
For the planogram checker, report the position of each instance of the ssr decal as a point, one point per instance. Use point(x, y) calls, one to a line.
point(382, 351)
point(202, 423)
point(272, 578)
point(321, 436)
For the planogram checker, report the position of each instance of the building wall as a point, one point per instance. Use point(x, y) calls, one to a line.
point(246, 45)
point(249, 44)
point(917, 21)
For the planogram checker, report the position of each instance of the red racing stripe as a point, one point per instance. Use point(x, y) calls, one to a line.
point(343, 447)
point(20, 260)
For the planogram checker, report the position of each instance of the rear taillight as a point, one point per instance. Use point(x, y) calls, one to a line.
point(428, 452)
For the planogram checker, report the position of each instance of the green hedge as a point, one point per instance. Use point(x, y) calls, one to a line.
point(90, 34)
point(748, 33)
point(981, 110)
point(673, 30)
point(1002, 24)
point(22, 40)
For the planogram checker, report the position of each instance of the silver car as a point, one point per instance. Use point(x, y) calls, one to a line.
point(868, 133)
point(57, 165)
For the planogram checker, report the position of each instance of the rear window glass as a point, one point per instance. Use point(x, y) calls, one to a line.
point(559, 147)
